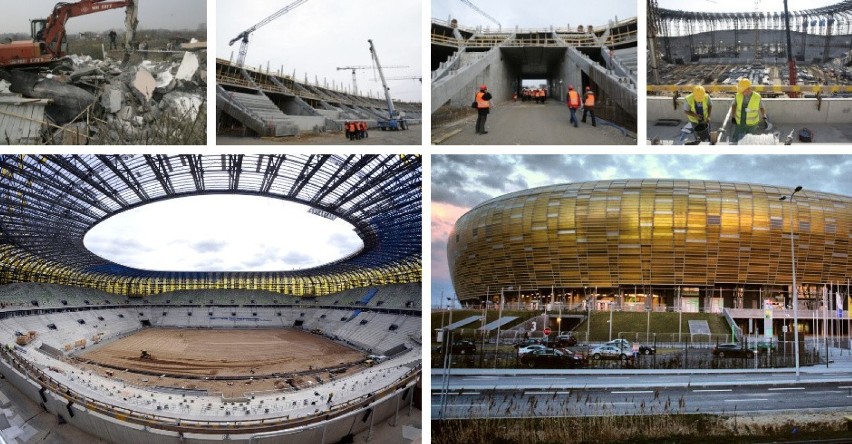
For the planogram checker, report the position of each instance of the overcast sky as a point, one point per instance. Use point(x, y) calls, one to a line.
point(742, 5)
point(534, 13)
point(321, 35)
point(153, 14)
point(461, 182)
point(222, 233)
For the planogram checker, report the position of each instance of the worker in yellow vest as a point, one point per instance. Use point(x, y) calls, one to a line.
point(589, 105)
point(483, 106)
point(747, 109)
point(573, 104)
point(697, 107)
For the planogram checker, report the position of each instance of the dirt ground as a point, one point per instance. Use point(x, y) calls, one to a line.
point(239, 353)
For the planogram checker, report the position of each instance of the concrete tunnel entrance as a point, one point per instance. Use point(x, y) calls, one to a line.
point(550, 64)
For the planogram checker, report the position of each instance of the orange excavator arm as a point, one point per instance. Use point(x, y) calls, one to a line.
point(54, 32)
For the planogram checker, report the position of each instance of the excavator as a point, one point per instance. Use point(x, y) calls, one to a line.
point(49, 42)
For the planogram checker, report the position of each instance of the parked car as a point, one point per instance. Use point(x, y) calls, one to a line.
point(567, 340)
point(464, 347)
point(732, 350)
point(766, 344)
point(531, 348)
point(609, 352)
point(531, 341)
point(625, 345)
point(552, 358)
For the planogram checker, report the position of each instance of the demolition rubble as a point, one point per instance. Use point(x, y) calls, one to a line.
point(88, 101)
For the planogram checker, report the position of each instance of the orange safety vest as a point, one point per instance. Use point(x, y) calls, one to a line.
point(480, 102)
point(573, 99)
point(362, 126)
point(590, 99)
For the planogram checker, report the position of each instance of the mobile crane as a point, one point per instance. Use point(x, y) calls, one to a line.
point(394, 121)
point(353, 68)
point(49, 42)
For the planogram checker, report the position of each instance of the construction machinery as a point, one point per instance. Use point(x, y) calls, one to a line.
point(243, 37)
point(394, 121)
point(49, 42)
point(355, 68)
point(146, 356)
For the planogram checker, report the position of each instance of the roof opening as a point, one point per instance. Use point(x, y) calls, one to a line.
point(223, 233)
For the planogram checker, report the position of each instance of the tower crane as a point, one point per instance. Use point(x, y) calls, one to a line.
point(355, 68)
point(406, 78)
point(244, 36)
point(481, 12)
point(394, 121)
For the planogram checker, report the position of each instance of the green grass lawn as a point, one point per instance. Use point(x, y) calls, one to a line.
point(661, 323)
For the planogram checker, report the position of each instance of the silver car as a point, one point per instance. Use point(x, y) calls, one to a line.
point(609, 352)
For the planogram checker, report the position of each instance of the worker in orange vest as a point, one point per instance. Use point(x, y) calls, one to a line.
point(483, 106)
point(364, 129)
point(589, 105)
point(573, 104)
point(347, 130)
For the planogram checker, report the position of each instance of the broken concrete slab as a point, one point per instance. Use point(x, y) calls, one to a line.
point(144, 85)
point(112, 99)
point(182, 104)
point(165, 82)
point(68, 101)
point(188, 67)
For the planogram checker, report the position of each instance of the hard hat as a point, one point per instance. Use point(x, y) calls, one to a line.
point(699, 93)
point(743, 84)
point(570, 86)
point(482, 87)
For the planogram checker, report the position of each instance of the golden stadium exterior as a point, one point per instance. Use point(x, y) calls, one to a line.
point(644, 243)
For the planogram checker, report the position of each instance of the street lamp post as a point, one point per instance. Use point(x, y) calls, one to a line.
point(610, 321)
point(795, 290)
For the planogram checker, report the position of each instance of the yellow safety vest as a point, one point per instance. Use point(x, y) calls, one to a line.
point(690, 99)
point(752, 109)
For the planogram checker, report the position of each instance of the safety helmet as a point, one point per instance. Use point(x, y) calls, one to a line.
point(570, 87)
point(482, 87)
point(699, 93)
point(743, 84)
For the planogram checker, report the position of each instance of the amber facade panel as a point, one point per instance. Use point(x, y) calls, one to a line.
point(649, 232)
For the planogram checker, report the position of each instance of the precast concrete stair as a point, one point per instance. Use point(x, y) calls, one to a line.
point(255, 111)
point(470, 65)
point(620, 90)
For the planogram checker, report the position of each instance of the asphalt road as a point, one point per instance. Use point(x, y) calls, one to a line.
point(525, 123)
point(714, 399)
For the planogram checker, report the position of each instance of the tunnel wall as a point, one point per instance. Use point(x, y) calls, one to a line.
point(460, 89)
point(571, 73)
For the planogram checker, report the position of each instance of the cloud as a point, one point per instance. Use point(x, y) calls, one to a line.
point(298, 259)
point(209, 246)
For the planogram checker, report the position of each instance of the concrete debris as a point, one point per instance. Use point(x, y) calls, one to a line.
point(144, 85)
point(112, 99)
point(67, 101)
point(117, 103)
point(188, 66)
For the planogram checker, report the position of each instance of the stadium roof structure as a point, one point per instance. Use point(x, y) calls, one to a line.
point(49, 202)
point(840, 10)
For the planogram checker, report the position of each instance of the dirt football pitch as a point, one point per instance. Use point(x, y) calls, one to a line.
point(226, 352)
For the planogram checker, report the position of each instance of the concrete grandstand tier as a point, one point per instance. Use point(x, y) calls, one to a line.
point(51, 201)
point(285, 102)
point(651, 242)
point(63, 369)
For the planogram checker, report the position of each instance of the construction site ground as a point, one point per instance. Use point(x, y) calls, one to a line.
point(527, 123)
point(411, 136)
point(250, 354)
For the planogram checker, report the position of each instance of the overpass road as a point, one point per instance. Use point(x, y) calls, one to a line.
point(527, 123)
